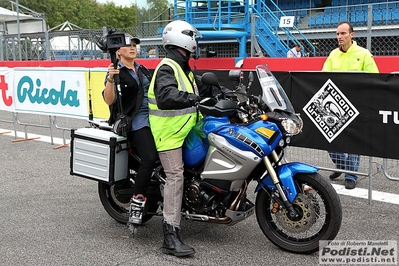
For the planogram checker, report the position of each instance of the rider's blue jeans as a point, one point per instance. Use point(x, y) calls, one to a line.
point(348, 162)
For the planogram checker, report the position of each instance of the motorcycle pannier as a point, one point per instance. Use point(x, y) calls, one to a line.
point(98, 154)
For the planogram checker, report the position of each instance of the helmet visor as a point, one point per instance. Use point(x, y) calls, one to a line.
point(196, 34)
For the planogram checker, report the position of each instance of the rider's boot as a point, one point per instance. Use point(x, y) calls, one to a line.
point(137, 204)
point(172, 243)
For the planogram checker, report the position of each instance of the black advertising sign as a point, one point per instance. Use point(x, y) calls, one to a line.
point(346, 112)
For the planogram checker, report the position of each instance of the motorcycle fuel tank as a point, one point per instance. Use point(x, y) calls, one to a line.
point(196, 144)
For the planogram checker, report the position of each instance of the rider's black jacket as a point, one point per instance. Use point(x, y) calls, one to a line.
point(166, 88)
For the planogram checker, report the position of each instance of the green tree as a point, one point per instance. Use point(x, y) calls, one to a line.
point(87, 14)
point(159, 9)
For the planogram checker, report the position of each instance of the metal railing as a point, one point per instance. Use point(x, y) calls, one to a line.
point(369, 166)
point(380, 34)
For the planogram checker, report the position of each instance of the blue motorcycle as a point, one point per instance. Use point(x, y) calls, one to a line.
point(241, 139)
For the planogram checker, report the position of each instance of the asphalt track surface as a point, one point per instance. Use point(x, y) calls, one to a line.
point(49, 217)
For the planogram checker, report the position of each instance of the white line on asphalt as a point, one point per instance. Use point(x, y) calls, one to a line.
point(357, 192)
point(21, 136)
point(363, 193)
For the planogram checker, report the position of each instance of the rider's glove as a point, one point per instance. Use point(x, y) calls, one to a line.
point(194, 99)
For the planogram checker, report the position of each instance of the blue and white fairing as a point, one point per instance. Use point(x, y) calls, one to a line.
point(260, 138)
point(231, 151)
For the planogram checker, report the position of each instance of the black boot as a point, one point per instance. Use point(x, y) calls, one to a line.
point(172, 243)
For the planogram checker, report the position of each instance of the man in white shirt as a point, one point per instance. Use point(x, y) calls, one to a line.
point(295, 52)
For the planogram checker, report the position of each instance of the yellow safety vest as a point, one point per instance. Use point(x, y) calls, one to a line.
point(170, 127)
point(355, 59)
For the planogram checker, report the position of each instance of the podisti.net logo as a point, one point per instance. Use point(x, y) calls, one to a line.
point(366, 252)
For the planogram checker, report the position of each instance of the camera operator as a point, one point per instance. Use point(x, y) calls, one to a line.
point(134, 80)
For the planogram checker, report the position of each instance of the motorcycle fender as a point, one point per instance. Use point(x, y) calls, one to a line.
point(286, 173)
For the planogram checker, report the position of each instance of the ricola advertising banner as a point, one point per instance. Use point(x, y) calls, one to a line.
point(53, 91)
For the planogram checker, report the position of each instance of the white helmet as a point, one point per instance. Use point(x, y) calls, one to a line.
point(182, 34)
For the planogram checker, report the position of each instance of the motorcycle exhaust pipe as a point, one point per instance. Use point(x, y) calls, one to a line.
point(206, 218)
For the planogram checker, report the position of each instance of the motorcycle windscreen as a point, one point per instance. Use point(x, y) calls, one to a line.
point(272, 93)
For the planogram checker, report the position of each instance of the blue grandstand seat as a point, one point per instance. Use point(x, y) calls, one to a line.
point(289, 13)
point(395, 16)
point(358, 8)
point(391, 5)
point(381, 5)
point(334, 19)
point(312, 22)
point(284, 6)
point(386, 16)
point(319, 20)
point(343, 17)
point(352, 18)
point(327, 20)
point(360, 18)
point(377, 17)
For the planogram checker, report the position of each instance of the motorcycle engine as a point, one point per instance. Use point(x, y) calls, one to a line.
point(198, 199)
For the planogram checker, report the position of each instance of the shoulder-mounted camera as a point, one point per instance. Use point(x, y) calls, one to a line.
point(112, 41)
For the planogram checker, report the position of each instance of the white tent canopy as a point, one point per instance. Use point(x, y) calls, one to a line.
point(71, 43)
point(11, 20)
point(8, 15)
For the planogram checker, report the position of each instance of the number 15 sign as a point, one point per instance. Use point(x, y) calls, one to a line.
point(287, 21)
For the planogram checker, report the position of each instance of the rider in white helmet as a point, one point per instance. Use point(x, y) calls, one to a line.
point(180, 34)
point(172, 96)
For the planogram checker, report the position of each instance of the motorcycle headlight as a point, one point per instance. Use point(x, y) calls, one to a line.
point(293, 126)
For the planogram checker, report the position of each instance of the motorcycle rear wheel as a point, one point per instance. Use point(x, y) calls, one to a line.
point(320, 216)
point(117, 206)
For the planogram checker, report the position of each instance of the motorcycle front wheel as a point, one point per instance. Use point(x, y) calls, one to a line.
point(117, 204)
point(320, 215)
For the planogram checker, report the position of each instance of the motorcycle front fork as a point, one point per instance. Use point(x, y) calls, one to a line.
point(292, 213)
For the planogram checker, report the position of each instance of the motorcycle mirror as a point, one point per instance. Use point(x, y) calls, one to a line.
point(250, 80)
point(251, 77)
point(209, 78)
point(234, 76)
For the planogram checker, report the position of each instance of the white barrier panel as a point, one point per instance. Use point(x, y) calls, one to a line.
point(6, 90)
point(53, 91)
point(50, 91)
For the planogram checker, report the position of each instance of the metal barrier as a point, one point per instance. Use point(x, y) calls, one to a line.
point(322, 160)
point(51, 124)
point(54, 122)
point(6, 121)
point(25, 125)
point(384, 167)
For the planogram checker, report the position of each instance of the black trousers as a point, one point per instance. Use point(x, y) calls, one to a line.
point(145, 146)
